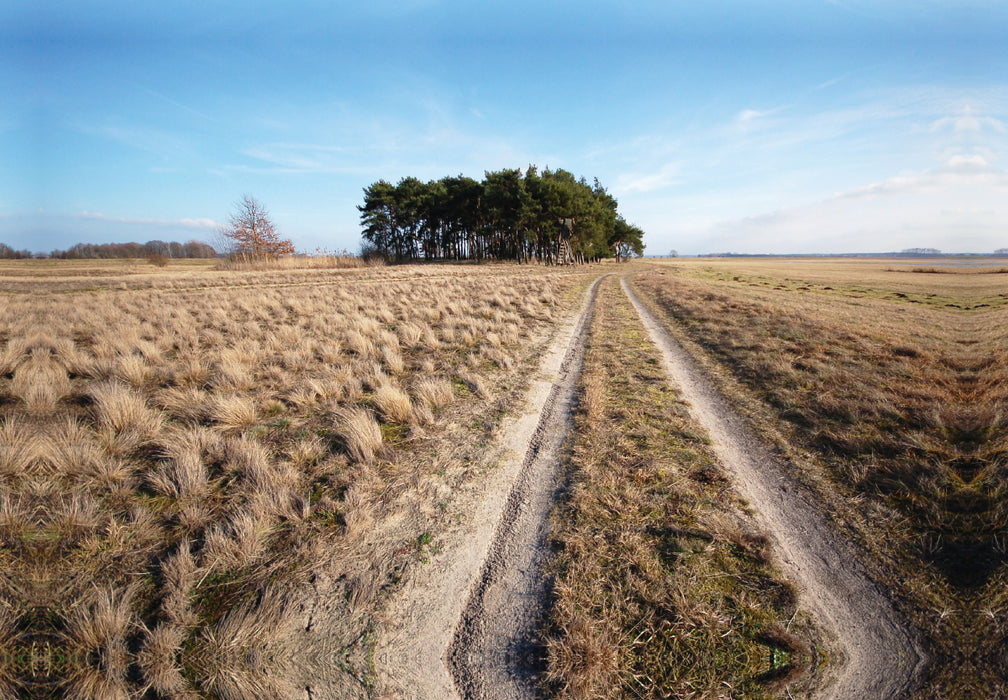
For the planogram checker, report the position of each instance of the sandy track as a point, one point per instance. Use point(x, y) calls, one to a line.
point(883, 656)
point(460, 626)
point(494, 654)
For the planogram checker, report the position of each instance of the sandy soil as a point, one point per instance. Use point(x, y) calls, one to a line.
point(460, 626)
point(884, 658)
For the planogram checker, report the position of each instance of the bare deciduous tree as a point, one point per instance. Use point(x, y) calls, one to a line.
point(252, 233)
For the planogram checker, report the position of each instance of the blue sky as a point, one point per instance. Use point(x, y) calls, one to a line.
point(784, 127)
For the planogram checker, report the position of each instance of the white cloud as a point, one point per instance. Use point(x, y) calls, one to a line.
point(750, 119)
point(961, 206)
point(198, 223)
point(299, 157)
point(167, 145)
point(666, 176)
point(968, 123)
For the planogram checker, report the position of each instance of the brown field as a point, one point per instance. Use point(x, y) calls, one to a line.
point(888, 383)
point(184, 449)
point(178, 448)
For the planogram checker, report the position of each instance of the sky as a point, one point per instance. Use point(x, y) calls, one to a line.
point(795, 126)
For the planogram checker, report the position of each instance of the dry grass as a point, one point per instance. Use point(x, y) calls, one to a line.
point(393, 404)
point(200, 438)
point(360, 433)
point(98, 632)
point(247, 653)
point(892, 383)
point(663, 585)
point(320, 260)
point(433, 392)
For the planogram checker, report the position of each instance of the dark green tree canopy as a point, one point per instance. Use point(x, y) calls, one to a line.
point(551, 217)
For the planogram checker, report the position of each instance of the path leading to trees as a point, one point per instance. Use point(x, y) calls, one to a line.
point(464, 625)
point(883, 657)
point(461, 626)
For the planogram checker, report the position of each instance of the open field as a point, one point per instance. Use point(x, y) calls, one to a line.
point(888, 386)
point(182, 457)
point(230, 483)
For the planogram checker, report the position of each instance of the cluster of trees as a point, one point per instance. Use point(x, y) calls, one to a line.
point(168, 249)
point(8, 253)
point(552, 217)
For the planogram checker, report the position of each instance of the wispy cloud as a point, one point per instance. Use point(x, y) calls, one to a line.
point(961, 206)
point(957, 172)
point(183, 107)
point(165, 144)
point(968, 123)
point(749, 120)
point(198, 223)
point(831, 82)
point(299, 157)
point(665, 176)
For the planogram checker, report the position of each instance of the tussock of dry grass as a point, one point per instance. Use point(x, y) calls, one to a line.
point(393, 404)
point(475, 384)
point(434, 392)
point(360, 433)
point(121, 411)
point(247, 653)
point(158, 659)
point(17, 450)
point(233, 412)
point(180, 574)
point(40, 384)
point(100, 630)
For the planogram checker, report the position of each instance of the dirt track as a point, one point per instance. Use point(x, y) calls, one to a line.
point(464, 625)
point(884, 658)
point(493, 653)
point(438, 619)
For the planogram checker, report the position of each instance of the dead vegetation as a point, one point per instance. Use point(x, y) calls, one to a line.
point(664, 586)
point(180, 453)
point(891, 386)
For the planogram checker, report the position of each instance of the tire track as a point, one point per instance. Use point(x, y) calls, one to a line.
point(461, 626)
point(883, 656)
point(494, 653)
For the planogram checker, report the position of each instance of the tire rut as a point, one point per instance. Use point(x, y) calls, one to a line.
point(494, 653)
point(883, 656)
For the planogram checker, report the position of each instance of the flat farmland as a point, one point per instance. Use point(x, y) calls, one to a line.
point(502, 480)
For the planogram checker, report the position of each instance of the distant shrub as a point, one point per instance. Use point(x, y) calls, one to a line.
point(157, 259)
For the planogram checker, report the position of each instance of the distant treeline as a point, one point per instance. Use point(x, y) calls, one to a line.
point(168, 249)
point(552, 217)
point(8, 253)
